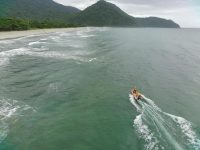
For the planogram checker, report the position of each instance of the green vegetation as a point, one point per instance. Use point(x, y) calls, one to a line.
point(39, 10)
point(103, 14)
point(19, 24)
point(13, 24)
point(30, 14)
point(107, 14)
point(51, 24)
point(156, 22)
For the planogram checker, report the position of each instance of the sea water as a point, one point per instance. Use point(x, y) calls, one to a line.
point(70, 90)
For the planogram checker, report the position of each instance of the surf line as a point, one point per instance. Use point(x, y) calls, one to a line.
point(151, 116)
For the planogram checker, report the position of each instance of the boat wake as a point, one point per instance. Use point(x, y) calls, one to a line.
point(160, 130)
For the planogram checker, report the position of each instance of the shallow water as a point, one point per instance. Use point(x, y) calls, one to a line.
point(70, 90)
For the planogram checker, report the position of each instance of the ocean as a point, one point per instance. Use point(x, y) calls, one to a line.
point(71, 90)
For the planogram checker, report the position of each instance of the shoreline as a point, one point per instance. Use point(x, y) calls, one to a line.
point(16, 34)
point(4, 35)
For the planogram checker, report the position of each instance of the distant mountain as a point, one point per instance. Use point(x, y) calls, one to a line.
point(156, 22)
point(103, 14)
point(35, 9)
point(107, 14)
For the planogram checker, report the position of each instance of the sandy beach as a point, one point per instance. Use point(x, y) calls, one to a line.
point(16, 34)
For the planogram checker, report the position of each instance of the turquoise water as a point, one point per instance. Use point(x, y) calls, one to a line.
point(70, 90)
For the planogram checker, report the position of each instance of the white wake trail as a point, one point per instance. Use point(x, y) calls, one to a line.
point(161, 130)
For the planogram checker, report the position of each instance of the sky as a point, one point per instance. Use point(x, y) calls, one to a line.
point(184, 12)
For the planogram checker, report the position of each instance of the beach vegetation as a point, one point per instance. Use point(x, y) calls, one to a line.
point(13, 24)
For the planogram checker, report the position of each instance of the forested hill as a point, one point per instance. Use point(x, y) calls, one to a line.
point(107, 14)
point(26, 14)
point(103, 14)
point(35, 10)
point(156, 22)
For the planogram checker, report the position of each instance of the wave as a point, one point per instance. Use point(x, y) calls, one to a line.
point(11, 109)
point(64, 34)
point(92, 59)
point(85, 33)
point(43, 39)
point(14, 52)
point(161, 130)
point(4, 61)
point(80, 56)
point(6, 41)
point(13, 40)
point(86, 36)
point(36, 43)
point(55, 38)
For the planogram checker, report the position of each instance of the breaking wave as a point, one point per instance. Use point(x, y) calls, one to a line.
point(11, 110)
point(36, 43)
point(160, 130)
point(81, 56)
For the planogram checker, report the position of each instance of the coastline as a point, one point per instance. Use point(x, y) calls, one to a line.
point(16, 34)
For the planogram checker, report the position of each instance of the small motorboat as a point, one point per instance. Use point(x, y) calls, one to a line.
point(136, 94)
point(137, 97)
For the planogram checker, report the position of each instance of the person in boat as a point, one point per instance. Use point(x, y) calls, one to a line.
point(136, 94)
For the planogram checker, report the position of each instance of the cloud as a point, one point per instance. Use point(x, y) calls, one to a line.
point(184, 12)
point(81, 4)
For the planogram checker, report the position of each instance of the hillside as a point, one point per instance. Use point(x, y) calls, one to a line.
point(156, 22)
point(107, 14)
point(103, 14)
point(35, 10)
point(47, 13)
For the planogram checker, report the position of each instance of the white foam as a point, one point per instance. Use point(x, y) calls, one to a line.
point(36, 43)
point(75, 55)
point(10, 41)
point(57, 55)
point(44, 39)
point(163, 123)
point(151, 103)
point(14, 52)
point(4, 61)
point(74, 45)
point(85, 33)
point(4, 129)
point(145, 133)
point(92, 59)
point(134, 103)
point(186, 128)
point(65, 34)
point(6, 41)
point(8, 109)
point(55, 38)
point(86, 36)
